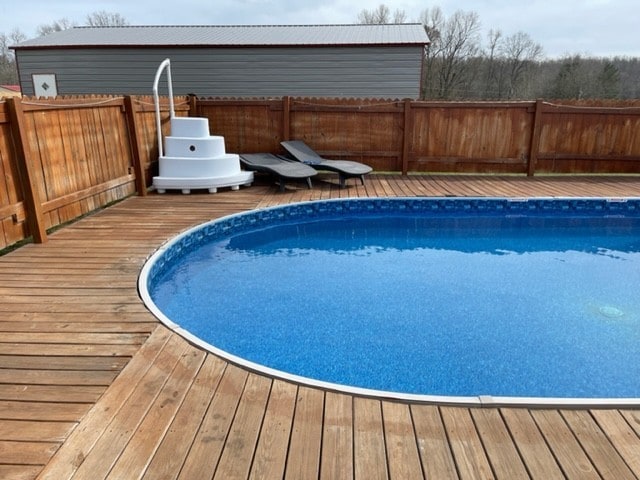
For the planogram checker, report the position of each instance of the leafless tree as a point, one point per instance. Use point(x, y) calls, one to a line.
point(381, 15)
point(8, 71)
point(96, 19)
point(106, 19)
point(508, 65)
point(13, 38)
point(57, 26)
point(452, 55)
point(520, 54)
point(494, 70)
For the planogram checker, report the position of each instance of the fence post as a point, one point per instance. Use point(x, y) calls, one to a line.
point(193, 105)
point(534, 147)
point(35, 219)
point(406, 136)
point(131, 113)
point(286, 118)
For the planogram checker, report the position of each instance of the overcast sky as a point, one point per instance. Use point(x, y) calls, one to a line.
point(562, 27)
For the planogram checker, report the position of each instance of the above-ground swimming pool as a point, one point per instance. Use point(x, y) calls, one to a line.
point(465, 298)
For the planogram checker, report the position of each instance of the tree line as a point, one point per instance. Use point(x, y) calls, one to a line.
point(458, 64)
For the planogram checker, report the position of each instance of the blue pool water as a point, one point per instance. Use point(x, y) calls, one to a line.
point(456, 297)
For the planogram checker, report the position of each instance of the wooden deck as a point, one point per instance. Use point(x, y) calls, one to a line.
point(94, 387)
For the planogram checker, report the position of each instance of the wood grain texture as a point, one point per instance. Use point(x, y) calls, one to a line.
point(93, 387)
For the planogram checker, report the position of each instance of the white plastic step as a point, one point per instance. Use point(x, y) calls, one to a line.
point(191, 127)
point(184, 167)
point(206, 147)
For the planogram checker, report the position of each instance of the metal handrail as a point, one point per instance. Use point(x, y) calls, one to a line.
point(166, 63)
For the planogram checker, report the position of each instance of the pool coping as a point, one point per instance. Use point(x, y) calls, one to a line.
point(471, 401)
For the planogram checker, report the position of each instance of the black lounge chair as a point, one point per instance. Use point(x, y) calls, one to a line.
point(282, 168)
point(344, 168)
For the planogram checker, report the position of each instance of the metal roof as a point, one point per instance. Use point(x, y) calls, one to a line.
point(233, 36)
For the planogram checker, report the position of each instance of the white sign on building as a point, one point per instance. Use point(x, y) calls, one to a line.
point(44, 84)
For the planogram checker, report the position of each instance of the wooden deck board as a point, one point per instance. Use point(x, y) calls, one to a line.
point(368, 440)
point(603, 455)
point(271, 452)
point(108, 448)
point(503, 454)
point(134, 460)
point(19, 472)
point(527, 438)
point(28, 363)
point(207, 447)
point(337, 437)
point(73, 452)
point(92, 387)
point(566, 449)
point(15, 456)
point(468, 451)
point(43, 411)
point(621, 435)
point(175, 444)
point(435, 451)
point(54, 394)
point(56, 377)
point(400, 442)
point(303, 460)
point(240, 445)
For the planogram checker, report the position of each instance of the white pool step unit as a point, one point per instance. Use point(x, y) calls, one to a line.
point(196, 160)
point(191, 157)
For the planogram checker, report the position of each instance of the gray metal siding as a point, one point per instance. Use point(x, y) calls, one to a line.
point(372, 71)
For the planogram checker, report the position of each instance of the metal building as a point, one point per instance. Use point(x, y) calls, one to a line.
point(379, 61)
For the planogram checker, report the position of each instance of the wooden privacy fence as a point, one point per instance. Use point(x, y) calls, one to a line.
point(416, 136)
point(64, 157)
